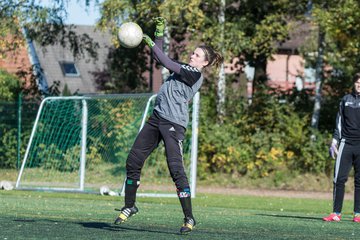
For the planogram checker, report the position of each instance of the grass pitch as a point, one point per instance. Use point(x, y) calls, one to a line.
point(42, 215)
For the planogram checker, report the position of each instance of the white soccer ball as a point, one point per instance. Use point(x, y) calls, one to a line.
point(104, 190)
point(6, 185)
point(130, 35)
point(112, 193)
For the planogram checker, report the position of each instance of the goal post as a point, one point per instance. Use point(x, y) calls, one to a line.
point(80, 143)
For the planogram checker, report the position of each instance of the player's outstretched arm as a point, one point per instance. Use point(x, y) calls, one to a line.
point(159, 56)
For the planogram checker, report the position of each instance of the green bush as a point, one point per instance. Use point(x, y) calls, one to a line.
point(9, 86)
point(265, 138)
point(8, 151)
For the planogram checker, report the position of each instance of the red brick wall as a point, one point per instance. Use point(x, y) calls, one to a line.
point(15, 61)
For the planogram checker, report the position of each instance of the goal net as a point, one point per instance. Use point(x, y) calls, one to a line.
point(81, 143)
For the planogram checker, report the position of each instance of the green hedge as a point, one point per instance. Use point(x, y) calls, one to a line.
point(265, 137)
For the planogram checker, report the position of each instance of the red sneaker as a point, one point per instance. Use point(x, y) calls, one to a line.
point(333, 217)
point(356, 218)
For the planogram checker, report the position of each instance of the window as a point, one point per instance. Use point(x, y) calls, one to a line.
point(69, 69)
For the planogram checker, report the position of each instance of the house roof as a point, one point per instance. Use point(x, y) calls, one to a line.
point(299, 33)
point(51, 57)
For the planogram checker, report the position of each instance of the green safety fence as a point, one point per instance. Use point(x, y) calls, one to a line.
point(16, 120)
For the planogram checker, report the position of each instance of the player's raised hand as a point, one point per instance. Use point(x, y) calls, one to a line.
point(160, 26)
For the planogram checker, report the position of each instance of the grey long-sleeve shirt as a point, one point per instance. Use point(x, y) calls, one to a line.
point(179, 88)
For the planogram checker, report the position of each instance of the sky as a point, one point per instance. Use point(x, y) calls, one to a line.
point(79, 15)
point(77, 12)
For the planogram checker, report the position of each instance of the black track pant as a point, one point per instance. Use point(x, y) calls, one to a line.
point(348, 157)
point(155, 130)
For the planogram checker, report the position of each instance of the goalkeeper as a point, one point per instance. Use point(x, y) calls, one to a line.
point(168, 122)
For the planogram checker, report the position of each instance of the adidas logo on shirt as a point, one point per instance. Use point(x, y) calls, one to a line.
point(172, 129)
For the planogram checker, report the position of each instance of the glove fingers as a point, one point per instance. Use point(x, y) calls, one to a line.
point(331, 153)
point(159, 20)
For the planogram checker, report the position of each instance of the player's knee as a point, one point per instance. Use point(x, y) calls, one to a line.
point(178, 174)
point(176, 168)
point(134, 161)
point(341, 181)
point(133, 168)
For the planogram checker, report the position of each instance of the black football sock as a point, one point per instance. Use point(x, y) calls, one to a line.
point(131, 186)
point(185, 201)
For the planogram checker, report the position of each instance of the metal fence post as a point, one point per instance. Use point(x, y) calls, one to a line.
point(19, 130)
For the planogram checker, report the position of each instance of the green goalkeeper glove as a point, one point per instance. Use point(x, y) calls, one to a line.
point(160, 26)
point(148, 41)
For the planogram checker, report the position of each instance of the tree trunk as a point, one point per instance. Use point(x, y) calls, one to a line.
point(260, 77)
point(221, 95)
point(318, 81)
point(221, 87)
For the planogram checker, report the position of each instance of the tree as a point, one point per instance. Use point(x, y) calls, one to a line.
point(253, 30)
point(265, 25)
point(341, 23)
point(318, 80)
point(338, 52)
point(9, 86)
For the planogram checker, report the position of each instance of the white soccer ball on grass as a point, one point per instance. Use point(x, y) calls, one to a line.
point(6, 185)
point(104, 190)
point(112, 193)
point(130, 35)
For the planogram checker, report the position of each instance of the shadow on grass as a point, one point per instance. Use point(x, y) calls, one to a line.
point(141, 229)
point(100, 225)
point(112, 227)
point(287, 216)
point(24, 220)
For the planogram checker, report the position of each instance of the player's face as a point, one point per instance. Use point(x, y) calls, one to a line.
point(357, 86)
point(197, 59)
